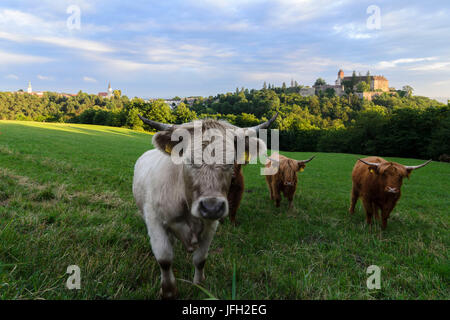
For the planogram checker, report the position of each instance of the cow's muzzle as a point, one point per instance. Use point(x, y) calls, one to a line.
point(212, 208)
point(392, 190)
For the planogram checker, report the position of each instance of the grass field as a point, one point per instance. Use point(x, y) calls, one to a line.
point(65, 199)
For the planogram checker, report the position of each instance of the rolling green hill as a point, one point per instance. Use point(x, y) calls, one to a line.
point(65, 199)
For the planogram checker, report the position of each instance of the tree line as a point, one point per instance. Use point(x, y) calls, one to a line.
point(392, 124)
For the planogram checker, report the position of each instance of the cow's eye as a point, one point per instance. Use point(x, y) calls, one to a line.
point(195, 165)
point(227, 167)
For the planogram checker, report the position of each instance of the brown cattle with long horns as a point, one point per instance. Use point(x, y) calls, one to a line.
point(378, 183)
point(285, 179)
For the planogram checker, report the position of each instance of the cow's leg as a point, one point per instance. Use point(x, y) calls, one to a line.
point(290, 196)
point(234, 198)
point(369, 211)
point(200, 255)
point(269, 184)
point(277, 195)
point(163, 251)
point(376, 212)
point(385, 213)
point(355, 196)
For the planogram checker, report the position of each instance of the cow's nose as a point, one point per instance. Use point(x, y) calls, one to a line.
point(392, 190)
point(212, 208)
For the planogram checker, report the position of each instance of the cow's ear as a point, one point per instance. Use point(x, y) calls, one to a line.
point(163, 141)
point(300, 166)
point(373, 169)
point(252, 149)
point(408, 172)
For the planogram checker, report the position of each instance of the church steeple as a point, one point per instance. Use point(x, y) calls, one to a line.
point(30, 89)
point(110, 91)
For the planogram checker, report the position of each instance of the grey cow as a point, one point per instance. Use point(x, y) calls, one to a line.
point(186, 199)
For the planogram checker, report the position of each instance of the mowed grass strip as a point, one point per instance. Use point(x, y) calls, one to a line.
point(65, 199)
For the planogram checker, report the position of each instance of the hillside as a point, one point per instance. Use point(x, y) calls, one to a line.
point(65, 198)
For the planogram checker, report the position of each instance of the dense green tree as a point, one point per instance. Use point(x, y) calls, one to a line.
point(320, 82)
point(362, 87)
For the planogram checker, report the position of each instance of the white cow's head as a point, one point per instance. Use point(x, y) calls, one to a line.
point(207, 150)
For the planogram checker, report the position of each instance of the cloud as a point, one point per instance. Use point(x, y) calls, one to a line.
point(17, 58)
point(41, 77)
point(397, 62)
point(437, 66)
point(227, 7)
point(12, 77)
point(354, 31)
point(289, 12)
point(20, 27)
point(89, 79)
point(75, 43)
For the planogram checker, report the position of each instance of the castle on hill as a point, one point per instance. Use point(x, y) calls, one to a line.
point(377, 84)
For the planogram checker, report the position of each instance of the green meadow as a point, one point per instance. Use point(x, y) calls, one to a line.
point(65, 199)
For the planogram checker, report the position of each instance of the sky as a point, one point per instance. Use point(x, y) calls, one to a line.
point(203, 47)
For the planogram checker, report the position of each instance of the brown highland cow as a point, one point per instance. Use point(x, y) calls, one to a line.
point(378, 183)
point(285, 180)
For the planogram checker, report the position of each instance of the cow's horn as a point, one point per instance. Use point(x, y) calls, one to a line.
point(369, 163)
point(417, 167)
point(264, 125)
point(155, 125)
point(306, 161)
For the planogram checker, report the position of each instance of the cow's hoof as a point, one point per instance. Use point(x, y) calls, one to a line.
point(168, 293)
point(199, 277)
point(200, 280)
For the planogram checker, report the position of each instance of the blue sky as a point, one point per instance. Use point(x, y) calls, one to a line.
point(204, 47)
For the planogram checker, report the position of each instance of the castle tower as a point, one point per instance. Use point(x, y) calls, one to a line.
point(340, 77)
point(30, 89)
point(110, 91)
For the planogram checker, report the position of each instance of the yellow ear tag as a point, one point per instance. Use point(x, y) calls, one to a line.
point(371, 171)
point(301, 169)
point(168, 149)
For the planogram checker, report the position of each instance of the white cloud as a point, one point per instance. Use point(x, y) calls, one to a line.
point(19, 26)
point(89, 79)
point(41, 77)
point(439, 66)
point(396, 62)
point(16, 58)
point(229, 7)
point(75, 43)
point(288, 12)
point(12, 77)
point(354, 31)
point(164, 55)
